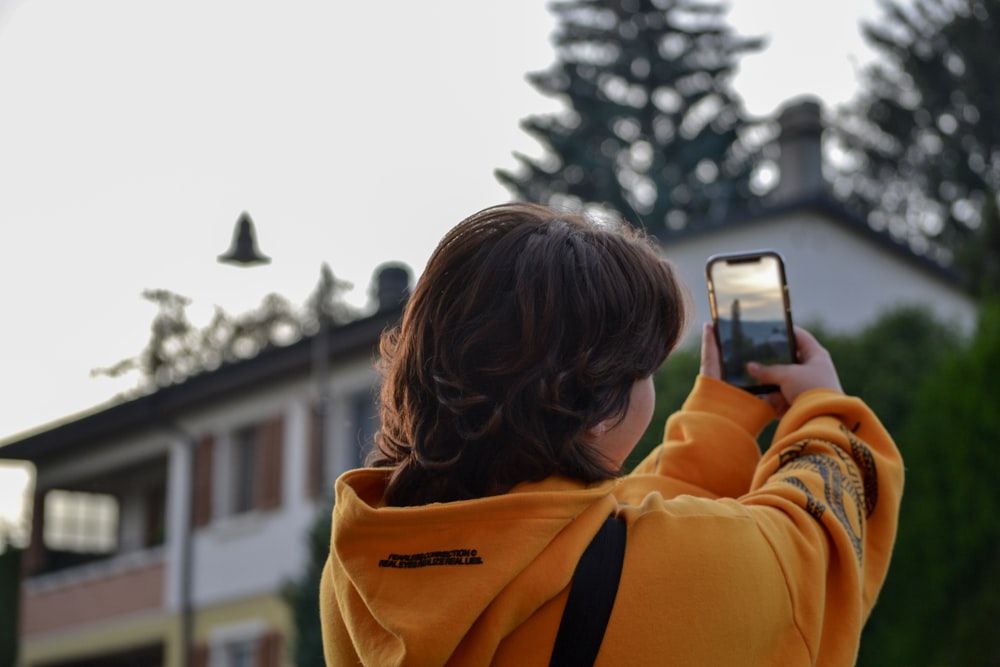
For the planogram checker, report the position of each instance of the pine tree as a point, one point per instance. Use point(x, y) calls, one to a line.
point(652, 126)
point(925, 129)
point(738, 342)
point(979, 257)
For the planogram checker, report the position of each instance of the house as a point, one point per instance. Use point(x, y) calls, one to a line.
point(165, 527)
point(841, 273)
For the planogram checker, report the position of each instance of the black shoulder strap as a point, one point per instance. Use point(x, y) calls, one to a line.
point(591, 597)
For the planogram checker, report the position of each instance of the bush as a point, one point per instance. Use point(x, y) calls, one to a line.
point(945, 573)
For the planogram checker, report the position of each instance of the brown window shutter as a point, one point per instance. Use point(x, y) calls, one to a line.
point(314, 475)
point(270, 452)
point(269, 650)
point(202, 503)
point(199, 655)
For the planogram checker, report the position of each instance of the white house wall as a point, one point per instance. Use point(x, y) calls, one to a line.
point(253, 552)
point(350, 382)
point(836, 276)
point(246, 555)
point(258, 551)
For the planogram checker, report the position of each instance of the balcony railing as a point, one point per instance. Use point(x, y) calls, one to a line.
point(114, 587)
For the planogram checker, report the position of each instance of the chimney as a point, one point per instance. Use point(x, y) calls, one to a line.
point(392, 285)
point(800, 142)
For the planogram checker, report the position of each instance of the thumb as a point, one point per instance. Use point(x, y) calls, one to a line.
point(710, 364)
point(773, 374)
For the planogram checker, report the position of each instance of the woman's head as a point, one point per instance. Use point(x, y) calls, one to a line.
point(524, 335)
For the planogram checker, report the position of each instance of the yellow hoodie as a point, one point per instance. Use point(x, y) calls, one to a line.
point(731, 558)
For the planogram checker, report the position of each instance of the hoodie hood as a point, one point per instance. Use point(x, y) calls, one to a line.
point(448, 581)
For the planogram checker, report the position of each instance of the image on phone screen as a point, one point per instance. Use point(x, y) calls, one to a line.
point(751, 314)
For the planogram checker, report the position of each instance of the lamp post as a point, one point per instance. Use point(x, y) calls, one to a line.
point(242, 252)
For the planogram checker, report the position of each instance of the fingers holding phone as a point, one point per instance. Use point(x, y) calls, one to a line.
point(815, 369)
point(753, 343)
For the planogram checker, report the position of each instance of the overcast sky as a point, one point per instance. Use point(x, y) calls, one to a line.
point(133, 133)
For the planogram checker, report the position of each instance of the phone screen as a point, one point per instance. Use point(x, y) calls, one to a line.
point(751, 314)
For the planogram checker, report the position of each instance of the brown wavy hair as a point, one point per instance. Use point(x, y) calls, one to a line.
point(527, 328)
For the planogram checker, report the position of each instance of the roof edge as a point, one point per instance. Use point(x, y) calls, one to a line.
point(824, 203)
point(164, 404)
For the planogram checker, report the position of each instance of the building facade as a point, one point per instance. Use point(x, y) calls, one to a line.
point(842, 274)
point(166, 527)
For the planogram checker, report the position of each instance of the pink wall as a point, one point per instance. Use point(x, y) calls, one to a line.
point(93, 600)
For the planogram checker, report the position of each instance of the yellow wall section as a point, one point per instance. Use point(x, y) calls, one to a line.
point(95, 640)
point(135, 632)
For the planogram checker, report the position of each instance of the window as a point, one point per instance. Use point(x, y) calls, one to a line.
point(241, 654)
point(239, 474)
point(341, 438)
point(317, 459)
point(204, 471)
point(255, 467)
point(363, 426)
point(78, 522)
point(244, 466)
point(155, 525)
point(241, 649)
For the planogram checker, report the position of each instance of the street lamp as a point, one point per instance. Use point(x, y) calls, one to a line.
point(243, 250)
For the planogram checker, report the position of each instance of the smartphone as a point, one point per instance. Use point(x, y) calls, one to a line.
point(751, 314)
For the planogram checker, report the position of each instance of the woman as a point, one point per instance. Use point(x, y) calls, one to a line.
point(516, 385)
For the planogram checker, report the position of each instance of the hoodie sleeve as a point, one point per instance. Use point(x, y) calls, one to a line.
point(710, 445)
point(826, 497)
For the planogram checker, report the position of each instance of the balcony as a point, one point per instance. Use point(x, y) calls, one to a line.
point(93, 593)
point(98, 548)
